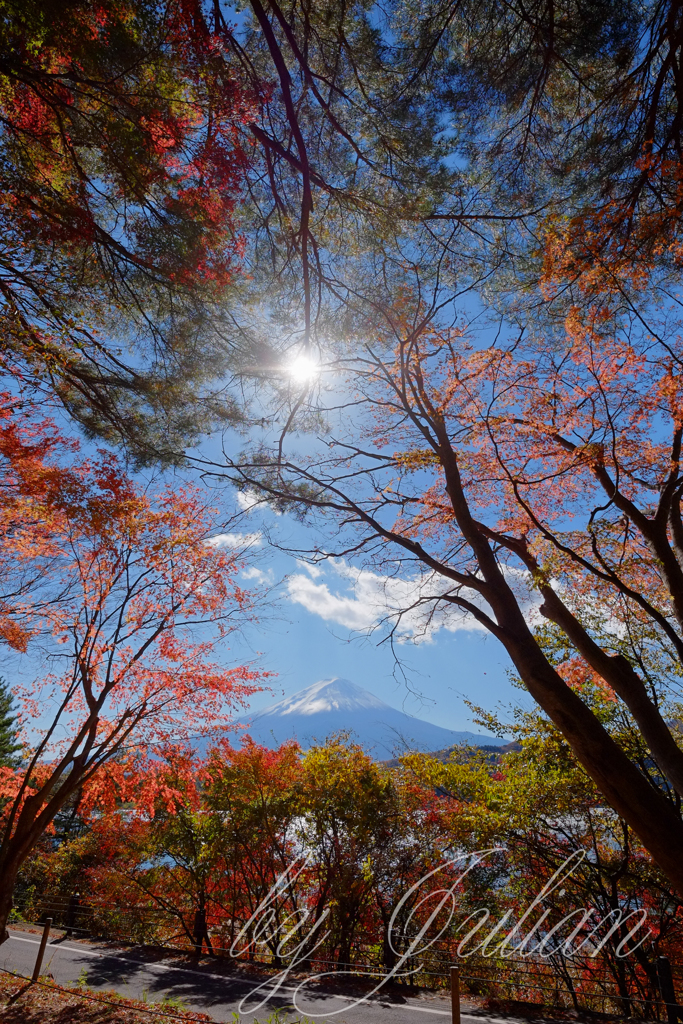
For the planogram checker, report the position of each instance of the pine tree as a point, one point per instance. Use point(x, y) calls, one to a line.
point(9, 745)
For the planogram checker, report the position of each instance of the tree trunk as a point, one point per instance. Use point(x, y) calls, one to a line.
point(200, 930)
point(16, 847)
point(650, 814)
point(71, 912)
point(8, 879)
point(652, 817)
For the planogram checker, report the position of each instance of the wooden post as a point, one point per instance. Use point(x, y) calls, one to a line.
point(71, 912)
point(455, 995)
point(41, 949)
point(666, 987)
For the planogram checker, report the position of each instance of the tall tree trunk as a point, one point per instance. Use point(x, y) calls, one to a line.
point(649, 813)
point(645, 808)
point(8, 880)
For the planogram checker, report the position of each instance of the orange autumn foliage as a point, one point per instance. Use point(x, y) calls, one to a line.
point(121, 591)
point(535, 489)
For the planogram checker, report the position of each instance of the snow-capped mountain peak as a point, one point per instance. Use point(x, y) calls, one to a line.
point(334, 706)
point(328, 695)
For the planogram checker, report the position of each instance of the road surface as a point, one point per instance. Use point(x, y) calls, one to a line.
point(218, 989)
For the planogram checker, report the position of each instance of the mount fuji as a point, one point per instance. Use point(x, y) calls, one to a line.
point(334, 705)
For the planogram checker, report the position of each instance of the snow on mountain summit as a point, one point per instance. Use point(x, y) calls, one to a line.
point(336, 705)
point(327, 695)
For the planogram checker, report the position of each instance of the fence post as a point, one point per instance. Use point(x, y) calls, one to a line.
point(666, 988)
point(71, 912)
point(41, 949)
point(455, 995)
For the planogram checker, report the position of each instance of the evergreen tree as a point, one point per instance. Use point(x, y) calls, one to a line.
point(9, 745)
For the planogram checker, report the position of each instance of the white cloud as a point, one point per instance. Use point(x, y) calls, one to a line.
point(353, 612)
point(235, 540)
point(252, 573)
point(369, 597)
point(314, 571)
point(248, 499)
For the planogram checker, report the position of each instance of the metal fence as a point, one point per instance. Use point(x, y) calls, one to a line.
point(644, 988)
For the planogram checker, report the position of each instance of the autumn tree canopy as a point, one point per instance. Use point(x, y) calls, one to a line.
point(155, 156)
point(524, 470)
point(123, 594)
point(470, 217)
point(362, 851)
point(121, 165)
point(524, 487)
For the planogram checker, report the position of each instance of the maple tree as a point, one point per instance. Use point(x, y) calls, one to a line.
point(255, 791)
point(121, 167)
point(195, 869)
point(126, 596)
point(166, 864)
point(525, 486)
point(381, 841)
point(542, 811)
point(351, 814)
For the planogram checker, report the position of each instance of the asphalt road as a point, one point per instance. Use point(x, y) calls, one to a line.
point(139, 974)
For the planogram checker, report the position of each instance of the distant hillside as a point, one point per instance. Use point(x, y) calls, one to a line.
point(338, 705)
point(444, 755)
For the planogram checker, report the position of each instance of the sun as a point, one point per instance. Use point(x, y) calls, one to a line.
point(303, 368)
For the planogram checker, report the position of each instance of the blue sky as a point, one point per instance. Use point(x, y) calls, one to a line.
point(314, 624)
point(315, 620)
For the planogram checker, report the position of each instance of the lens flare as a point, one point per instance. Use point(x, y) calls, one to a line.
point(303, 368)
